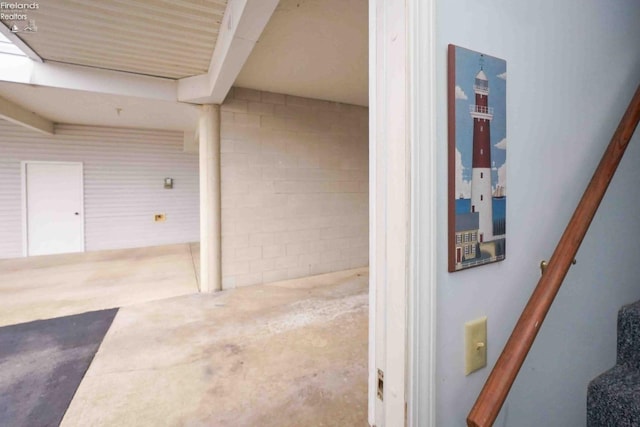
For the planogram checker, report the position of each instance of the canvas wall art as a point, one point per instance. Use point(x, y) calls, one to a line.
point(477, 157)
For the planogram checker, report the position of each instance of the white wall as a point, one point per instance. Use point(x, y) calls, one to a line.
point(294, 187)
point(123, 184)
point(572, 68)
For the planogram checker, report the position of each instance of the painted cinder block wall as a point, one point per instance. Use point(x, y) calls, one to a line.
point(572, 69)
point(294, 187)
point(124, 171)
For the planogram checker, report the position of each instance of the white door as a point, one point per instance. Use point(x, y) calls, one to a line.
point(54, 208)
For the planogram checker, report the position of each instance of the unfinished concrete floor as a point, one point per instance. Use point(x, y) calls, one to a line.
point(59, 285)
point(291, 353)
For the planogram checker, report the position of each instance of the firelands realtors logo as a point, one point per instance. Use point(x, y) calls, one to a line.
point(19, 12)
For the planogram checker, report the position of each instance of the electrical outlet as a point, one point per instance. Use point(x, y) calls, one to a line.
point(159, 218)
point(475, 345)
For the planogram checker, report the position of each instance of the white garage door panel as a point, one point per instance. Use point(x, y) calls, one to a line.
point(54, 208)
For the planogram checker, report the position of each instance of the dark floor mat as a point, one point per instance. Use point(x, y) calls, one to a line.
point(42, 364)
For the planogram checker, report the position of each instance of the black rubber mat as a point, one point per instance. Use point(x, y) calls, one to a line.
point(42, 364)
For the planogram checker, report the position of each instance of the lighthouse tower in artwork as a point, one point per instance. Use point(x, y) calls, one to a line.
point(481, 194)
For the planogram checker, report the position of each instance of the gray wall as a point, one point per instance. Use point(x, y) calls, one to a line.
point(123, 184)
point(572, 69)
point(294, 187)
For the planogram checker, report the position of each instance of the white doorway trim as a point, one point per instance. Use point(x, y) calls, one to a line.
point(402, 293)
point(23, 178)
point(423, 266)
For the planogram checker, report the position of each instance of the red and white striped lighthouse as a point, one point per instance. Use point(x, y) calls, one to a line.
point(481, 195)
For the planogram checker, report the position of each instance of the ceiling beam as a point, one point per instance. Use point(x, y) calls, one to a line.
point(23, 117)
point(17, 41)
point(103, 81)
point(242, 25)
point(77, 77)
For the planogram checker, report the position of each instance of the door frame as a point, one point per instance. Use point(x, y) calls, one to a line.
point(402, 203)
point(25, 223)
point(422, 292)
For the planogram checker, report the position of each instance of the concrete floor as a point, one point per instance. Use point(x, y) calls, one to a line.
point(59, 285)
point(291, 353)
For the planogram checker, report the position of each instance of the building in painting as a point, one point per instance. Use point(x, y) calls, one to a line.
point(466, 237)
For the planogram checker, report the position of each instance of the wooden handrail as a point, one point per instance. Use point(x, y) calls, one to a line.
point(504, 373)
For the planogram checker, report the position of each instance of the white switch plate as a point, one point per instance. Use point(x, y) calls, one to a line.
point(475, 345)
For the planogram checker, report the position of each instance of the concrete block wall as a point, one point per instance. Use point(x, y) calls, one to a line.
point(294, 187)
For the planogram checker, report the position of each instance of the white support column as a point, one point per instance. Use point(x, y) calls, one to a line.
point(210, 214)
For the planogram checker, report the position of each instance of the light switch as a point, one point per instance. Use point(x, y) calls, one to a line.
point(475, 345)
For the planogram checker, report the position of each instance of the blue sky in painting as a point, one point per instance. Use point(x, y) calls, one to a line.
point(467, 66)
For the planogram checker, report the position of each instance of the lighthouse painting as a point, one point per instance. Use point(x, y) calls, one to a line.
point(477, 158)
